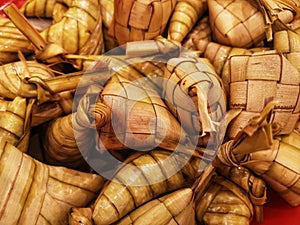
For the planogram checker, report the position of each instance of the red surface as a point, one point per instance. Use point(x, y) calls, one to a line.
point(18, 3)
point(276, 210)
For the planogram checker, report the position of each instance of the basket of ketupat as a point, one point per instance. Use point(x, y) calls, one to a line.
point(148, 112)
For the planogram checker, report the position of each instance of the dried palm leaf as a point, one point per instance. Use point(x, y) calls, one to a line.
point(40, 113)
point(107, 12)
point(109, 42)
point(256, 80)
point(3, 104)
point(297, 128)
point(59, 144)
point(135, 53)
point(201, 31)
point(138, 20)
point(275, 159)
point(184, 18)
point(144, 177)
point(45, 194)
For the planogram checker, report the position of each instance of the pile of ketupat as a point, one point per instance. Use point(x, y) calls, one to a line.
point(148, 112)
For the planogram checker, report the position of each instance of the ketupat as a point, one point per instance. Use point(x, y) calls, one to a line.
point(30, 79)
point(41, 9)
point(240, 23)
point(224, 203)
point(174, 208)
point(140, 119)
point(67, 139)
point(40, 113)
point(138, 20)
point(12, 41)
point(13, 76)
point(274, 157)
point(82, 18)
point(278, 14)
point(254, 186)
point(185, 16)
point(195, 80)
point(15, 122)
point(221, 187)
point(201, 31)
point(145, 176)
point(236, 23)
point(45, 194)
point(59, 16)
point(259, 78)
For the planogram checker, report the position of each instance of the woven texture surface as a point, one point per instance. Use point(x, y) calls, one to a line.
point(137, 20)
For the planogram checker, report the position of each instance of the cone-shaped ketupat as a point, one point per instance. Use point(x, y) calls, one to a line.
point(59, 144)
point(259, 78)
point(201, 31)
point(273, 157)
point(15, 122)
point(185, 16)
point(240, 23)
point(196, 96)
point(140, 179)
point(66, 138)
point(139, 118)
point(137, 20)
point(254, 186)
point(223, 202)
point(174, 208)
point(236, 23)
point(79, 30)
point(44, 194)
point(14, 74)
